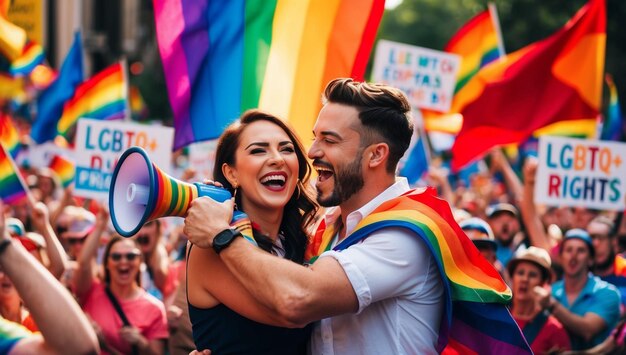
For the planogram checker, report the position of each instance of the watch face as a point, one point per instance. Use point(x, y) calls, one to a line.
point(224, 238)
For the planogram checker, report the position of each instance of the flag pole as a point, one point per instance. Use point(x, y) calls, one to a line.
point(496, 23)
point(127, 113)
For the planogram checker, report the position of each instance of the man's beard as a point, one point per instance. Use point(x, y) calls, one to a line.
point(606, 264)
point(348, 181)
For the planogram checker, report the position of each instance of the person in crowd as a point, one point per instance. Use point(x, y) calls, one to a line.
point(156, 266)
point(261, 161)
point(588, 307)
point(530, 273)
point(145, 328)
point(608, 265)
point(63, 327)
point(380, 295)
point(503, 219)
point(480, 233)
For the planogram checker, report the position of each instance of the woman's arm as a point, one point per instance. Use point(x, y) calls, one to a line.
point(84, 275)
point(54, 249)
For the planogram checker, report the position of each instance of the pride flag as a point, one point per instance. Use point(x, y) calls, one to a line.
point(138, 108)
point(417, 162)
point(556, 79)
point(103, 97)
point(613, 127)
point(475, 318)
point(32, 56)
point(50, 102)
point(478, 45)
point(9, 137)
point(12, 188)
point(223, 57)
point(64, 168)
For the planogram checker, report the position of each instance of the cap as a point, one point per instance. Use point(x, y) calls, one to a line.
point(498, 208)
point(32, 241)
point(15, 227)
point(537, 256)
point(79, 221)
point(581, 234)
point(482, 236)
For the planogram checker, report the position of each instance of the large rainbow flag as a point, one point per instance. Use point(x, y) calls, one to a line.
point(475, 319)
point(12, 188)
point(103, 97)
point(223, 57)
point(556, 79)
point(9, 137)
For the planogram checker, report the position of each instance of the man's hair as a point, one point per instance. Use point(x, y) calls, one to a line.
point(384, 113)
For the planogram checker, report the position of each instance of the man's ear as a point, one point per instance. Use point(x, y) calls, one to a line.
point(377, 154)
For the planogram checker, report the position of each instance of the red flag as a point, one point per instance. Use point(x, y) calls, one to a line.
point(556, 79)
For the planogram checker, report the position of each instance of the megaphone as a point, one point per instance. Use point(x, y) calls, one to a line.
point(141, 192)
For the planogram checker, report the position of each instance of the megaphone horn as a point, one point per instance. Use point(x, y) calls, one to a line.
point(141, 192)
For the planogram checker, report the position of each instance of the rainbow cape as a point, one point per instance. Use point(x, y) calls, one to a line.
point(475, 319)
point(12, 188)
point(9, 137)
point(223, 57)
point(64, 169)
point(103, 97)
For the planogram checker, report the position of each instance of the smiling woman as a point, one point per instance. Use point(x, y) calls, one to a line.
point(130, 319)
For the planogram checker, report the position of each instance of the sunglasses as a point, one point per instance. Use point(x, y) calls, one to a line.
point(143, 240)
point(129, 256)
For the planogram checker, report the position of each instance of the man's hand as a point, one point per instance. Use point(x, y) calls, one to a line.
point(40, 216)
point(206, 218)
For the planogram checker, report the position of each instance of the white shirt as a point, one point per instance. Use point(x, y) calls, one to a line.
point(399, 290)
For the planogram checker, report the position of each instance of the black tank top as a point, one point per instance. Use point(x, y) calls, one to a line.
point(224, 331)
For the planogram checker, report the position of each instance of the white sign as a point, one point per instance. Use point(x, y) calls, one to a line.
point(99, 144)
point(202, 158)
point(40, 155)
point(426, 76)
point(578, 172)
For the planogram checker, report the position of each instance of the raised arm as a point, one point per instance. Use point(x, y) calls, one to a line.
point(534, 226)
point(84, 275)
point(54, 249)
point(64, 327)
point(501, 163)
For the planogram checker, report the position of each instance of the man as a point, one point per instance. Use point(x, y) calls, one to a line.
point(63, 326)
point(608, 265)
point(382, 294)
point(587, 306)
point(480, 233)
point(503, 219)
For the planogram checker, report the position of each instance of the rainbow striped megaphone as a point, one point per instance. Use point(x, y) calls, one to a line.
point(141, 192)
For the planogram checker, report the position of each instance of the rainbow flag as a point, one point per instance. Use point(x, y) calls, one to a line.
point(138, 108)
point(477, 43)
point(12, 39)
point(475, 319)
point(64, 168)
point(9, 137)
point(31, 57)
point(556, 79)
point(103, 97)
point(613, 127)
point(223, 57)
point(12, 188)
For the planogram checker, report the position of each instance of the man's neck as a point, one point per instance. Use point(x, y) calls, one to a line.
point(575, 284)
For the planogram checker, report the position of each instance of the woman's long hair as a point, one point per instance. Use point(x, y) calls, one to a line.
point(298, 215)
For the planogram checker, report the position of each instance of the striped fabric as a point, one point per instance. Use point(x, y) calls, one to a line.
point(64, 168)
point(223, 57)
point(9, 137)
point(12, 188)
point(476, 320)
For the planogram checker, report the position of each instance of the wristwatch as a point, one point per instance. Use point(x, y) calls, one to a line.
point(224, 238)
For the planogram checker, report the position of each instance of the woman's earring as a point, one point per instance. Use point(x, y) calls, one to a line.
point(235, 188)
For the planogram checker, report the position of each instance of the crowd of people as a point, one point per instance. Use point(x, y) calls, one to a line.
point(154, 293)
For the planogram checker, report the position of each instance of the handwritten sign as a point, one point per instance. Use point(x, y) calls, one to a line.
point(577, 172)
point(99, 144)
point(426, 76)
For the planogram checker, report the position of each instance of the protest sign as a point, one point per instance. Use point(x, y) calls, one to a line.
point(426, 76)
point(202, 158)
point(577, 172)
point(99, 145)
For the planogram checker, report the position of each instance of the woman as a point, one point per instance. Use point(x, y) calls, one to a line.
point(261, 161)
point(147, 332)
point(530, 272)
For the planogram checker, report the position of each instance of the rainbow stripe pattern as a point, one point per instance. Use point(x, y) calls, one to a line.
point(32, 56)
point(11, 186)
point(64, 169)
point(477, 43)
point(223, 57)
point(174, 198)
point(103, 97)
point(9, 137)
point(476, 320)
point(613, 128)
